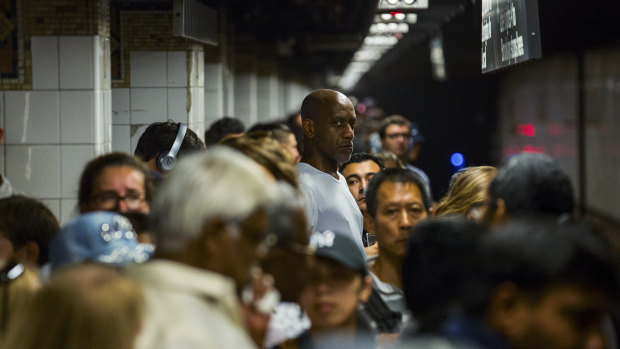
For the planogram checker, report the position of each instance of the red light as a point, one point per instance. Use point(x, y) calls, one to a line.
point(394, 12)
point(531, 149)
point(527, 130)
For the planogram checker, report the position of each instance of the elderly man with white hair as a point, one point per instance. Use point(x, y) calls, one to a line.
point(210, 218)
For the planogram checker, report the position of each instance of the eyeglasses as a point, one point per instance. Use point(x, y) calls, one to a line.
point(110, 199)
point(398, 135)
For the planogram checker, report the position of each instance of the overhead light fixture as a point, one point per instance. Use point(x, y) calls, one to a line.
point(392, 2)
point(386, 16)
point(409, 2)
point(399, 16)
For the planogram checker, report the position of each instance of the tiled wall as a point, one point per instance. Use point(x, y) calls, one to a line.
point(164, 85)
point(52, 131)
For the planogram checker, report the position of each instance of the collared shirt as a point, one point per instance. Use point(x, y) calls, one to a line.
point(187, 307)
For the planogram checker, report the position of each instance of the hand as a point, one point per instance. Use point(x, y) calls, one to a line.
point(372, 250)
point(259, 298)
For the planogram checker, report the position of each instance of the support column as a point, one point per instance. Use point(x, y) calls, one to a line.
point(56, 113)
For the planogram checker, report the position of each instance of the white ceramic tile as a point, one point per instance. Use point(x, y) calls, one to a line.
point(198, 128)
point(196, 113)
point(148, 105)
point(177, 104)
point(53, 205)
point(177, 72)
point(99, 61)
point(68, 210)
point(31, 117)
point(107, 115)
point(212, 105)
point(77, 116)
point(120, 138)
point(135, 132)
point(120, 106)
point(107, 147)
point(107, 68)
point(34, 170)
point(74, 158)
point(44, 62)
point(1, 111)
point(213, 76)
point(77, 63)
point(99, 117)
point(200, 60)
point(148, 69)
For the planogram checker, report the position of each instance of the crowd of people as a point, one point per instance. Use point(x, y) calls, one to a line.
point(291, 235)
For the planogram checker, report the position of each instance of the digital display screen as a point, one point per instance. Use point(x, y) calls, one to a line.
point(510, 33)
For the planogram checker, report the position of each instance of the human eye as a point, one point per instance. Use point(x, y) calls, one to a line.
point(353, 181)
point(415, 211)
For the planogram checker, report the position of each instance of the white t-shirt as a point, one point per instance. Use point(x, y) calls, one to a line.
point(329, 203)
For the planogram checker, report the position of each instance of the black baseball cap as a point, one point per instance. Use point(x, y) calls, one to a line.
point(340, 248)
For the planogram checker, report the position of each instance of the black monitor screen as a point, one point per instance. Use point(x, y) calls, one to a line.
point(510, 33)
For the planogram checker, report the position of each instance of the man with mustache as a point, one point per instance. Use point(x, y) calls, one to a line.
point(328, 120)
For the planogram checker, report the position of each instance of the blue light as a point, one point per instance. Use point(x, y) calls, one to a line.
point(457, 159)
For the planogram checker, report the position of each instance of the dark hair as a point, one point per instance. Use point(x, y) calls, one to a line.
point(440, 259)
point(535, 253)
point(24, 219)
point(222, 128)
point(159, 137)
point(361, 157)
point(394, 175)
point(393, 120)
point(277, 130)
point(532, 184)
point(96, 166)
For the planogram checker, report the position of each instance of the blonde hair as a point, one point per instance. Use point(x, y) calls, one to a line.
point(86, 306)
point(19, 294)
point(467, 187)
point(267, 152)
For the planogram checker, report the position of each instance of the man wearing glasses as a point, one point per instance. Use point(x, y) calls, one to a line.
point(115, 182)
point(396, 137)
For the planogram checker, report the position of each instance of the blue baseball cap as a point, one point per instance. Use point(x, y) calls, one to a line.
point(100, 237)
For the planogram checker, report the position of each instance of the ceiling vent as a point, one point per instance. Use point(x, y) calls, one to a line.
point(194, 20)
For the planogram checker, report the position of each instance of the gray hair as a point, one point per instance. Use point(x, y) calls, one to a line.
point(222, 183)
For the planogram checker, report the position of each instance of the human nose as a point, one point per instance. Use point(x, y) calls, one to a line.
point(363, 185)
point(406, 222)
point(121, 204)
point(349, 132)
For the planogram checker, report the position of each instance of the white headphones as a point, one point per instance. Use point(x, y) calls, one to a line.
point(165, 161)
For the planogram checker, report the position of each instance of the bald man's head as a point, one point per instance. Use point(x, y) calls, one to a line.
point(318, 101)
point(328, 119)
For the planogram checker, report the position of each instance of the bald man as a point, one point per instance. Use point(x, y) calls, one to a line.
point(328, 121)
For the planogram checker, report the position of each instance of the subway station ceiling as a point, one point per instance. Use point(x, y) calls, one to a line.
point(320, 37)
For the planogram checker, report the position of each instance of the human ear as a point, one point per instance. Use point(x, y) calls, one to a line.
point(366, 289)
point(308, 126)
point(29, 253)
